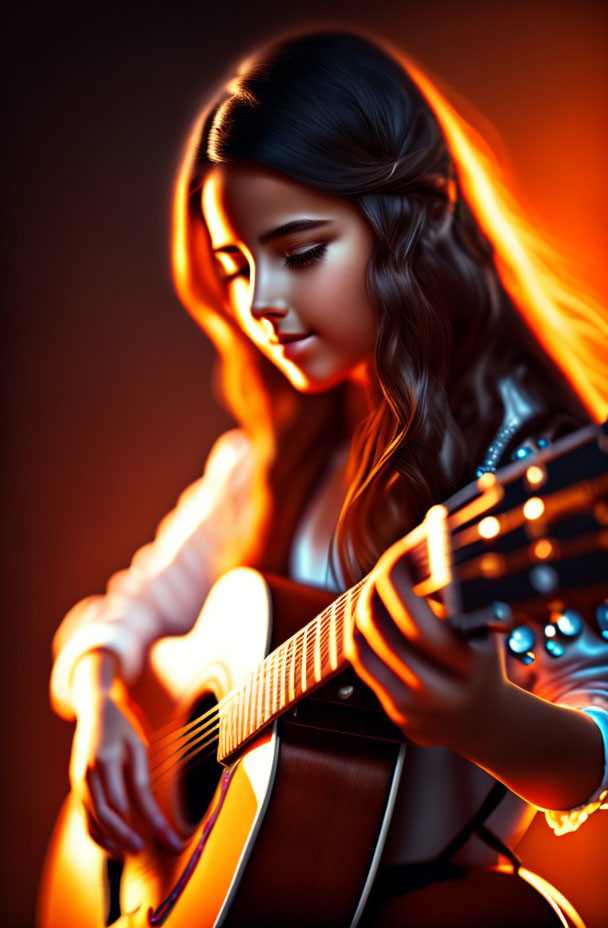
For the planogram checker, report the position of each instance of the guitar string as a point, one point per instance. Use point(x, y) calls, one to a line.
point(317, 639)
point(212, 716)
point(278, 656)
point(193, 745)
point(191, 749)
point(314, 641)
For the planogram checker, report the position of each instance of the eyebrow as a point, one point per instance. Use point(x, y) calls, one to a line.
point(295, 225)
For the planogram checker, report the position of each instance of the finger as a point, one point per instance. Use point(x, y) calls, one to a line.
point(390, 689)
point(112, 779)
point(418, 668)
point(139, 775)
point(108, 820)
point(415, 669)
point(417, 621)
point(376, 627)
point(100, 838)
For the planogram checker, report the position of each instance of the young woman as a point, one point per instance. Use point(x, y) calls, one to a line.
point(376, 363)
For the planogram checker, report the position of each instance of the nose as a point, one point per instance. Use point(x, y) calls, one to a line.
point(272, 310)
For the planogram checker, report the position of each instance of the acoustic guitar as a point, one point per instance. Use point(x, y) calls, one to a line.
point(277, 763)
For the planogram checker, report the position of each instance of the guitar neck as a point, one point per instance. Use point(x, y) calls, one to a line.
point(298, 666)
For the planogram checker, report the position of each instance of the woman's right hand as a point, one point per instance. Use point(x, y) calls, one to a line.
point(109, 770)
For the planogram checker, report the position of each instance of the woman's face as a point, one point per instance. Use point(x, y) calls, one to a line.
point(292, 263)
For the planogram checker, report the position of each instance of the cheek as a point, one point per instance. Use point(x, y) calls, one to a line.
point(338, 298)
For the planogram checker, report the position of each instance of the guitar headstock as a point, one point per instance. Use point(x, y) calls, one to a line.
point(533, 536)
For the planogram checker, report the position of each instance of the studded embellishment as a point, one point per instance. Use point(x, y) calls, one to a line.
point(564, 627)
point(553, 647)
point(497, 447)
point(601, 614)
point(570, 623)
point(521, 642)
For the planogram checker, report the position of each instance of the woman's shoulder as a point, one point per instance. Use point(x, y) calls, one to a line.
point(528, 425)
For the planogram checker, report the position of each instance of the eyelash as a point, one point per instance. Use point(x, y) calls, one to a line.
point(306, 258)
point(295, 261)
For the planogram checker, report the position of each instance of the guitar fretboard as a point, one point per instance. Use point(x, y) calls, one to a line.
point(297, 667)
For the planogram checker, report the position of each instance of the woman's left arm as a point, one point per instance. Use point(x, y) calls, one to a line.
point(443, 690)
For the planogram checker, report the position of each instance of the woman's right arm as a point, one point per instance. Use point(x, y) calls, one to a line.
point(102, 644)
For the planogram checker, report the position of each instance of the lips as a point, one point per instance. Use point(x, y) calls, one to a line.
point(286, 338)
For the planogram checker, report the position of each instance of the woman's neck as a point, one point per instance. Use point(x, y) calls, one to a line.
point(360, 395)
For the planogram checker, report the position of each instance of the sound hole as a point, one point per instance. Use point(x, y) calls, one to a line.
point(200, 772)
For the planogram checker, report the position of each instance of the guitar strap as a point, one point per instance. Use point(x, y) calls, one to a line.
point(476, 825)
point(396, 880)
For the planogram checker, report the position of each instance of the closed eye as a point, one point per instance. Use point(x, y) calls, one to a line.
point(295, 261)
point(306, 258)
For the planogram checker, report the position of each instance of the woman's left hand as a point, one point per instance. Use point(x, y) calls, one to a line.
point(439, 688)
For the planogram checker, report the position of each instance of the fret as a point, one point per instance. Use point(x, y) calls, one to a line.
point(274, 703)
point(283, 666)
point(333, 650)
point(239, 715)
point(227, 723)
point(258, 715)
point(222, 736)
point(265, 674)
point(252, 701)
point(346, 619)
point(247, 705)
point(292, 671)
point(231, 724)
point(235, 711)
point(303, 684)
point(318, 650)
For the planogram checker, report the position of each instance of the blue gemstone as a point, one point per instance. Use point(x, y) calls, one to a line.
point(570, 623)
point(521, 640)
point(479, 472)
point(601, 614)
point(543, 442)
point(523, 452)
point(553, 647)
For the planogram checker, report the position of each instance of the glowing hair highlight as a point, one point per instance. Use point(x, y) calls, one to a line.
point(572, 325)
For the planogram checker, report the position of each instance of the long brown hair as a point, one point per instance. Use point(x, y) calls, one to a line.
point(338, 112)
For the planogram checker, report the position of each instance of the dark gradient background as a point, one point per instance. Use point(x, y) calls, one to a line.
point(109, 411)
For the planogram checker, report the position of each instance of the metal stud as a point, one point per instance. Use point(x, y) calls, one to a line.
point(553, 647)
point(520, 643)
point(570, 623)
point(345, 692)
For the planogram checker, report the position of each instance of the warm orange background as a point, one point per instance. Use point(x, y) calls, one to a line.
point(108, 380)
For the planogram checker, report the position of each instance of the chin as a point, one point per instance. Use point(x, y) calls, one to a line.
point(311, 385)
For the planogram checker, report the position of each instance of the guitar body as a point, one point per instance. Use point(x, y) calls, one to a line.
point(280, 840)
